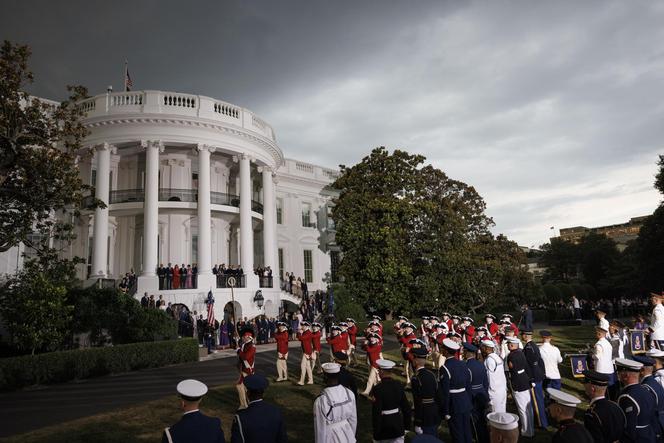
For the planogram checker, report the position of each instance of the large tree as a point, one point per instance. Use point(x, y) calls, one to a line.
point(650, 244)
point(416, 240)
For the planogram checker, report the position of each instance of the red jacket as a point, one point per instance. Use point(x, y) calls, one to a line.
point(373, 352)
point(282, 341)
point(345, 337)
point(352, 333)
point(336, 342)
point(305, 339)
point(470, 333)
point(405, 341)
point(492, 328)
point(315, 340)
point(246, 355)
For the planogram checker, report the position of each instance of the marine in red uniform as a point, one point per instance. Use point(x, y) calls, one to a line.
point(377, 319)
point(373, 347)
point(456, 324)
point(491, 325)
point(246, 354)
point(512, 324)
point(352, 337)
point(407, 334)
point(304, 335)
point(344, 335)
point(281, 336)
point(335, 340)
point(468, 329)
point(315, 341)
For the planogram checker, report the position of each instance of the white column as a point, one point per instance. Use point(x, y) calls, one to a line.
point(100, 232)
point(151, 214)
point(269, 223)
point(205, 277)
point(246, 226)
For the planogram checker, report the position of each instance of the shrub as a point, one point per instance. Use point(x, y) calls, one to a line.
point(345, 304)
point(55, 367)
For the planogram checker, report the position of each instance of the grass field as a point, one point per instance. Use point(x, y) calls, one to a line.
point(145, 422)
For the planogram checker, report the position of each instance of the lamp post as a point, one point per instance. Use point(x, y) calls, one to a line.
point(259, 299)
point(231, 284)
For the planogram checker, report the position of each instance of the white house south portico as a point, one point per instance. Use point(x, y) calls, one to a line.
point(190, 179)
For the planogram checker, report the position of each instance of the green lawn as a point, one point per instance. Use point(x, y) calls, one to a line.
point(145, 422)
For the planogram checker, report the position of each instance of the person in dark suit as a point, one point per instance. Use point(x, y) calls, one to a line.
point(391, 411)
point(604, 419)
point(169, 276)
point(534, 358)
point(193, 426)
point(260, 422)
point(161, 273)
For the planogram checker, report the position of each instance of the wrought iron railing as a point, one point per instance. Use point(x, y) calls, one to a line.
point(178, 195)
point(265, 282)
point(221, 198)
point(222, 280)
point(256, 206)
point(127, 196)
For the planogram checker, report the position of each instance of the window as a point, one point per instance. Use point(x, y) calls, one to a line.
point(330, 220)
point(306, 215)
point(194, 180)
point(334, 265)
point(280, 205)
point(93, 178)
point(281, 263)
point(308, 266)
point(194, 249)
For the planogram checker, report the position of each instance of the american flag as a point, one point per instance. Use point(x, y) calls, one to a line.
point(128, 82)
point(210, 308)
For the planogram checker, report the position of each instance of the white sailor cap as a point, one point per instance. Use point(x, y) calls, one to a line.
point(602, 328)
point(385, 364)
point(503, 420)
point(331, 368)
point(655, 353)
point(624, 364)
point(191, 389)
point(451, 344)
point(488, 343)
point(512, 340)
point(563, 398)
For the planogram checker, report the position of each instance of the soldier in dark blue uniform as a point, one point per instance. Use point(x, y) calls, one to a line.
point(532, 353)
point(193, 426)
point(479, 391)
point(637, 402)
point(454, 393)
point(391, 411)
point(604, 419)
point(562, 408)
point(657, 390)
point(260, 421)
point(424, 384)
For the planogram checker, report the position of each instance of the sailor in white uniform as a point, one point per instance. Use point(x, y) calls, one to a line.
point(335, 412)
point(657, 321)
point(495, 372)
point(603, 356)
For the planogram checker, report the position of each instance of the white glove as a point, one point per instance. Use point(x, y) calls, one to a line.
point(418, 430)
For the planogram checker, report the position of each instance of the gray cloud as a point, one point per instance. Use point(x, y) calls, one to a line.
point(552, 110)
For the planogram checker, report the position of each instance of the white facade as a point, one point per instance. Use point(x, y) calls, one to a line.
point(190, 179)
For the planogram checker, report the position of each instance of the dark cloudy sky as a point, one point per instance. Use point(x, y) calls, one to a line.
point(553, 110)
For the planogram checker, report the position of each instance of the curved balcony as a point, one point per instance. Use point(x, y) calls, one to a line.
point(181, 195)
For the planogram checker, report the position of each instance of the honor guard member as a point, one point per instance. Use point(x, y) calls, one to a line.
point(345, 377)
point(602, 359)
point(468, 329)
point(509, 318)
point(407, 334)
point(604, 419)
point(637, 403)
point(304, 335)
point(454, 393)
point(425, 388)
point(602, 322)
point(335, 411)
point(345, 336)
point(532, 353)
point(456, 325)
point(562, 409)
point(495, 372)
point(335, 340)
point(377, 319)
point(281, 337)
point(316, 329)
point(490, 325)
point(648, 380)
point(373, 348)
point(618, 339)
point(551, 358)
point(657, 321)
point(503, 427)
point(193, 426)
point(391, 411)
point(439, 333)
point(261, 422)
point(659, 364)
point(447, 319)
point(479, 385)
point(246, 354)
point(425, 328)
point(522, 383)
point(352, 336)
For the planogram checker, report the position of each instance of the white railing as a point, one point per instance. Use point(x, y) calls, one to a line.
point(303, 167)
point(180, 100)
point(258, 122)
point(88, 105)
point(333, 175)
point(226, 109)
point(127, 99)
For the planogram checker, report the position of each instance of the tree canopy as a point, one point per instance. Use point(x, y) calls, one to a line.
point(415, 240)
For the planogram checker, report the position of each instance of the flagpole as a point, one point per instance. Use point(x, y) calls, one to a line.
point(124, 79)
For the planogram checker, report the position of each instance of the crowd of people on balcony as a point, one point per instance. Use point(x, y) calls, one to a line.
point(177, 277)
point(295, 285)
point(128, 282)
point(264, 276)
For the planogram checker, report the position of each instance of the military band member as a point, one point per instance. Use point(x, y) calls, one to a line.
point(510, 318)
point(425, 388)
point(193, 425)
point(390, 411)
point(438, 334)
point(618, 339)
point(281, 337)
point(503, 427)
point(604, 419)
point(373, 348)
point(397, 326)
point(551, 358)
point(603, 323)
point(480, 334)
point(345, 337)
point(509, 334)
point(649, 381)
point(377, 319)
point(495, 371)
point(468, 329)
point(304, 335)
point(532, 353)
point(352, 337)
point(447, 319)
point(456, 325)
point(335, 340)
point(603, 358)
point(657, 321)
point(522, 382)
point(454, 392)
point(335, 410)
point(246, 354)
point(479, 390)
point(490, 325)
point(407, 334)
point(316, 329)
point(425, 328)
point(637, 403)
point(261, 422)
point(562, 409)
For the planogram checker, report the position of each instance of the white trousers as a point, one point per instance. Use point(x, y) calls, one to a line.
point(497, 401)
point(372, 380)
point(305, 369)
point(282, 367)
point(524, 404)
point(242, 395)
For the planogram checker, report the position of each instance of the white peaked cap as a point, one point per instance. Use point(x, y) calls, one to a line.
point(451, 344)
point(385, 364)
point(331, 368)
point(192, 389)
point(488, 343)
point(563, 398)
point(503, 420)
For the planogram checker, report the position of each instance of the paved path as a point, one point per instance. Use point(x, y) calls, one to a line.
point(30, 409)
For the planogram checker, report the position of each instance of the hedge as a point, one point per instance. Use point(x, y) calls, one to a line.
point(61, 366)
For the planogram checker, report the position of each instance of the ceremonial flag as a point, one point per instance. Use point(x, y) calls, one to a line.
point(210, 308)
point(127, 80)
